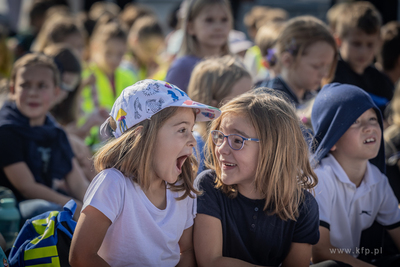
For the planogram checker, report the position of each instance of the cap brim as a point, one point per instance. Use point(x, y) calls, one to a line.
point(203, 112)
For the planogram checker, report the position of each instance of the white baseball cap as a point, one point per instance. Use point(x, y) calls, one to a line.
point(145, 98)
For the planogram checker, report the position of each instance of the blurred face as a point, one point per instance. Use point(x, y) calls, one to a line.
point(211, 27)
point(242, 86)
point(77, 43)
point(109, 55)
point(34, 92)
point(309, 70)
point(358, 49)
point(174, 144)
point(147, 50)
point(361, 141)
point(238, 166)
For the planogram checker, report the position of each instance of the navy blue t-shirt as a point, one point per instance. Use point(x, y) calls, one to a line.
point(249, 234)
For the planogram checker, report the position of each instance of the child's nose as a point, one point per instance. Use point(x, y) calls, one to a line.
point(192, 141)
point(224, 147)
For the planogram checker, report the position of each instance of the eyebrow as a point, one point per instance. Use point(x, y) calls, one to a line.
point(182, 122)
point(240, 132)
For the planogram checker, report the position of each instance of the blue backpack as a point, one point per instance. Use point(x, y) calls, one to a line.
point(45, 239)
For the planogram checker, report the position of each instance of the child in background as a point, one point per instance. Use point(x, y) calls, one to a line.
point(61, 29)
point(133, 12)
point(145, 41)
point(307, 53)
point(213, 82)
point(6, 56)
point(265, 40)
point(38, 151)
point(66, 105)
point(139, 209)
point(206, 28)
point(255, 208)
point(389, 56)
point(107, 46)
point(392, 144)
point(358, 39)
point(353, 190)
point(254, 20)
point(333, 14)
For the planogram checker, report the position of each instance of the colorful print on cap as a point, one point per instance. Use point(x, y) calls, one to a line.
point(147, 97)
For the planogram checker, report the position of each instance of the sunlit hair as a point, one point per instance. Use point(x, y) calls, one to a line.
point(67, 61)
point(192, 10)
point(133, 12)
point(395, 106)
point(101, 8)
point(55, 30)
point(132, 154)
point(105, 32)
point(6, 57)
point(358, 15)
point(299, 34)
point(212, 80)
point(35, 59)
point(333, 14)
point(390, 51)
point(283, 170)
point(266, 38)
point(145, 27)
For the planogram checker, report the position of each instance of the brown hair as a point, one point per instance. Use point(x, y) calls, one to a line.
point(55, 30)
point(193, 9)
point(300, 33)
point(35, 59)
point(105, 32)
point(267, 35)
point(133, 12)
point(66, 111)
point(213, 79)
point(390, 51)
point(358, 15)
point(283, 169)
point(101, 8)
point(333, 14)
point(146, 27)
point(132, 153)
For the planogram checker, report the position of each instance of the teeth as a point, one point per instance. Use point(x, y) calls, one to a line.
point(230, 164)
point(369, 140)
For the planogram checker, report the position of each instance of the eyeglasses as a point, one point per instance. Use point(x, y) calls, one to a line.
point(235, 141)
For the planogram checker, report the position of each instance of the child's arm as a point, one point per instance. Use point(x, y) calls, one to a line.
point(323, 251)
point(395, 235)
point(89, 233)
point(22, 179)
point(76, 181)
point(299, 255)
point(208, 243)
point(186, 247)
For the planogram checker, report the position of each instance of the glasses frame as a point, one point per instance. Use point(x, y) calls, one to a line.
point(229, 143)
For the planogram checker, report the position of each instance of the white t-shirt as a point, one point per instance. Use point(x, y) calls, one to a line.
point(140, 233)
point(347, 210)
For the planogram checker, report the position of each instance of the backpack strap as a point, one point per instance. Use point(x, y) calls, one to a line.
point(66, 216)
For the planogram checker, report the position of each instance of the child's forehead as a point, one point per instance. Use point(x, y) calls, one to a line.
point(360, 34)
point(35, 72)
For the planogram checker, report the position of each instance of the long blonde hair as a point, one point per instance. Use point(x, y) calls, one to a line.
point(212, 80)
point(132, 154)
point(192, 10)
point(283, 169)
point(299, 34)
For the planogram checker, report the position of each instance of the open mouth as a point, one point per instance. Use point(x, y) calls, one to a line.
point(369, 140)
point(228, 165)
point(180, 161)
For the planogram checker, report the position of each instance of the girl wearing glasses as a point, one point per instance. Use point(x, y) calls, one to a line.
point(255, 208)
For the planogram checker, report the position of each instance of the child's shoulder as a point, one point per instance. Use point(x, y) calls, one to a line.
point(110, 176)
point(185, 61)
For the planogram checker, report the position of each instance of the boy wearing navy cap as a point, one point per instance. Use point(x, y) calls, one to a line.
point(353, 190)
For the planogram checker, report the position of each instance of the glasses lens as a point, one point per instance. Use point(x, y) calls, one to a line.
point(235, 141)
point(217, 137)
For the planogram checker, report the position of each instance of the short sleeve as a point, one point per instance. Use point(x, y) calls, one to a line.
point(207, 202)
point(191, 211)
point(324, 195)
point(14, 146)
point(389, 212)
point(106, 193)
point(307, 224)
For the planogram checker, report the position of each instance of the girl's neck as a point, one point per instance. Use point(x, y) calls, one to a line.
point(299, 92)
point(208, 51)
point(157, 194)
point(249, 191)
point(355, 169)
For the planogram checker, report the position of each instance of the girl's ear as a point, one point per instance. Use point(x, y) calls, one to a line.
point(287, 59)
point(333, 148)
point(11, 93)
